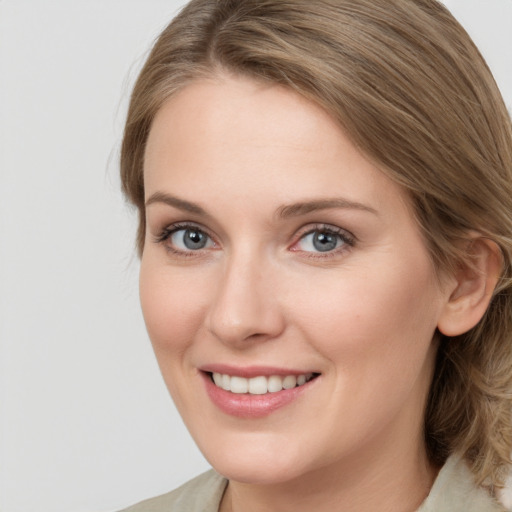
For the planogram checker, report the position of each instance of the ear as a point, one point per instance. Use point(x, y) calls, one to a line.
point(472, 287)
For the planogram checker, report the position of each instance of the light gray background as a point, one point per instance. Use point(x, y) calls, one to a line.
point(85, 420)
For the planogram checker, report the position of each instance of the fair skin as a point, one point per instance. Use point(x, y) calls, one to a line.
point(275, 248)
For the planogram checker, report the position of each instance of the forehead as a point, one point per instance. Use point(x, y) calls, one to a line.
point(226, 137)
point(236, 111)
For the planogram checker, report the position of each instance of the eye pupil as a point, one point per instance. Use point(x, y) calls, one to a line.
point(325, 241)
point(194, 239)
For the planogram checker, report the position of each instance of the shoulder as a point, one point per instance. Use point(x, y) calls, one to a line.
point(455, 491)
point(202, 494)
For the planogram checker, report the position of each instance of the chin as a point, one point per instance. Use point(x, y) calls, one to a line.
point(257, 474)
point(256, 461)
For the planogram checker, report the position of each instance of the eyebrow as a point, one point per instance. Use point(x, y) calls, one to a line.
point(303, 208)
point(180, 204)
point(283, 212)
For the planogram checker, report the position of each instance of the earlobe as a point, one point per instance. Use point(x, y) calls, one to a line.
point(473, 287)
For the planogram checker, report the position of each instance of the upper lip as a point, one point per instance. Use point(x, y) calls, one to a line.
point(252, 371)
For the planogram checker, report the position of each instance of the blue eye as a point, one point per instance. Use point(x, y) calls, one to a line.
point(323, 240)
point(189, 239)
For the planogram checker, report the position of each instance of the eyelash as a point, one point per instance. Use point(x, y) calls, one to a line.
point(348, 240)
point(168, 231)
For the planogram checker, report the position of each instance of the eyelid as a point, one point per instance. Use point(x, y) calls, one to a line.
point(323, 226)
point(165, 234)
point(349, 239)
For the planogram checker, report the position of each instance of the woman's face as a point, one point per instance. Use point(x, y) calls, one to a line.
point(281, 260)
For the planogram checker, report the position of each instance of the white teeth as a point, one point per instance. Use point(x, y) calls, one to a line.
point(259, 385)
point(275, 383)
point(239, 385)
point(289, 382)
point(226, 382)
point(217, 378)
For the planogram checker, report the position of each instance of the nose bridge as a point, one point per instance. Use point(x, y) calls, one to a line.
point(245, 306)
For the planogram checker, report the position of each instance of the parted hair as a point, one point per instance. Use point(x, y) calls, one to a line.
point(410, 89)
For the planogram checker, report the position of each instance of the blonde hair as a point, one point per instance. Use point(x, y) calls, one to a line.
point(412, 91)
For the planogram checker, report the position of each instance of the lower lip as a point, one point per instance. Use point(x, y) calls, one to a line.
point(252, 406)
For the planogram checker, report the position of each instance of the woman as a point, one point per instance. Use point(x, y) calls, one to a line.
point(325, 201)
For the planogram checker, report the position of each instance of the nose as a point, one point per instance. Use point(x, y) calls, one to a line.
point(245, 306)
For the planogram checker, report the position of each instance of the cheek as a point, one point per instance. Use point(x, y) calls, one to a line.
point(375, 330)
point(173, 304)
point(369, 322)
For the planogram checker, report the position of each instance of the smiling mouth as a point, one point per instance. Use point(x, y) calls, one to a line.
point(260, 385)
